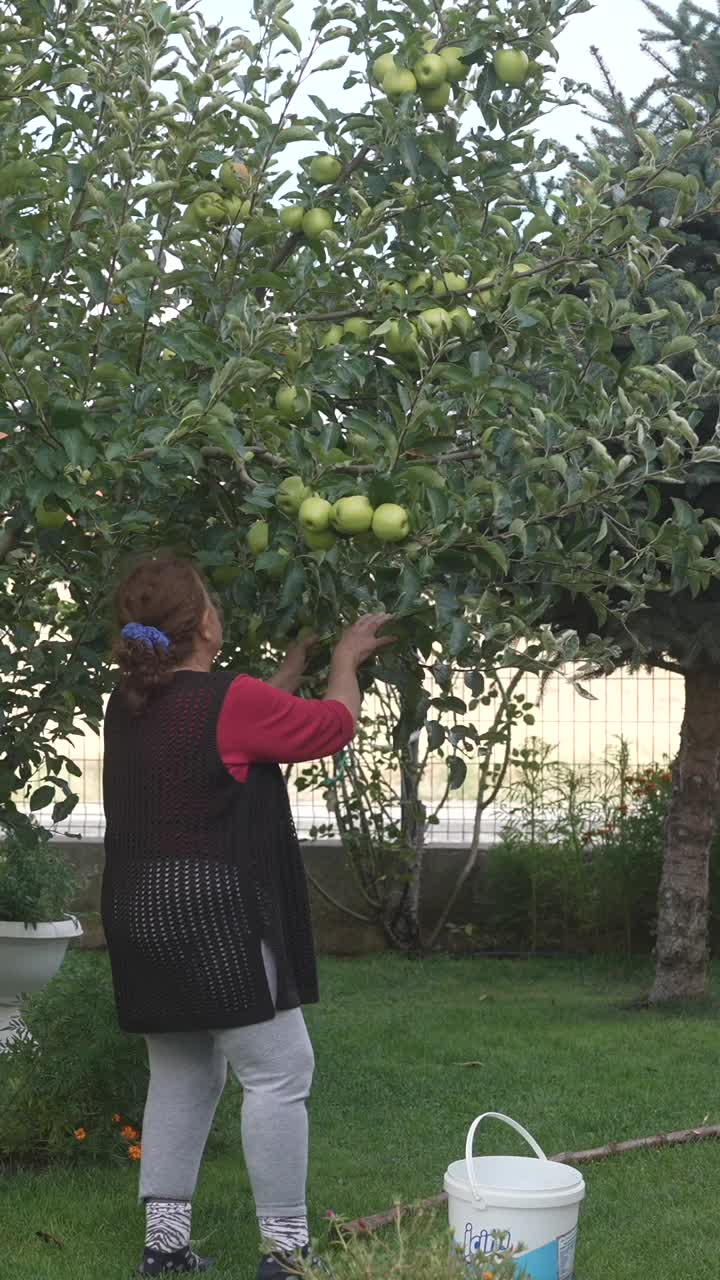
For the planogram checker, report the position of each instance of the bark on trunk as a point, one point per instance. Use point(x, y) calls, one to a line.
point(404, 917)
point(681, 946)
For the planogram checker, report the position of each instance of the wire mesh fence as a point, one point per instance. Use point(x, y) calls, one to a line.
point(644, 710)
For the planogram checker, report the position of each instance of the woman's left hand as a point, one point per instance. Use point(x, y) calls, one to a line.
point(290, 674)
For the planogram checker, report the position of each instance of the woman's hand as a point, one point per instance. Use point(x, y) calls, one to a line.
point(292, 669)
point(360, 641)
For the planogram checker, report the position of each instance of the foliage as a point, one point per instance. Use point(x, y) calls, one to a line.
point(36, 884)
point(143, 343)
point(67, 1079)
point(381, 784)
point(579, 864)
point(417, 1243)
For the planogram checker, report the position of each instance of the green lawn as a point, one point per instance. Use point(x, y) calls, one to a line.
point(557, 1049)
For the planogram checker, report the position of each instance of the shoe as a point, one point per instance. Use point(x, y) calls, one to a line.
point(278, 1266)
point(181, 1262)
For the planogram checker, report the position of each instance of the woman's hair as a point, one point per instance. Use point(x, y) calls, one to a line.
point(166, 593)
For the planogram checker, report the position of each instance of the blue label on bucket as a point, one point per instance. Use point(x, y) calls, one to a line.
point(541, 1264)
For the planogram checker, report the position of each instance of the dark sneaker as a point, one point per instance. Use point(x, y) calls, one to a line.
point(278, 1266)
point(181, 1262)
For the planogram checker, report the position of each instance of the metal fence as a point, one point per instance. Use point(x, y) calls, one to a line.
point(645, 710)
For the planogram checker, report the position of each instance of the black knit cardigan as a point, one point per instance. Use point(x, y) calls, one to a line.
point(199, 869)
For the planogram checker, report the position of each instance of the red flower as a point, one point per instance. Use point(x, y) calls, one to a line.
point(129, 1133)
point(80, 1134)
point(117, 1119)
point(135, 1153)
point(330, 1213)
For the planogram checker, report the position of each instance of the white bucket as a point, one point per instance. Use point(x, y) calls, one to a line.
point(500, 1202)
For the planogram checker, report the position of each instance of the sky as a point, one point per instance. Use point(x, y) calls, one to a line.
point(613, 25)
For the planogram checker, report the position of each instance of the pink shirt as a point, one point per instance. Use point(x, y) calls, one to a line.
point(259, 724)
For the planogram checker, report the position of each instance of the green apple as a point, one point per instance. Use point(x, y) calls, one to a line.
point(292, 402)
point(450, 282)
point(280, 569)
point(399, 82)
point(325, 168)
point(237, 208)
point(391, 523)
point(291, 494)
point(429, 43)
point(430, 72)
point(208, 208)
point(382, 65)
point(333, 337)
point(50, 517)
point(521, 268)
point(321, 540)
point(315, 221)
point(258, 537)
point(455, 67)
point(437, 318)
point(315, 513)
point(353, 514)
point(436, 99)
point(167, 354)
point(357, 328)
point(292, 217)
point(398, 344)
point(393, 286)
point(420, 282)
point(235, 176)
point(462, 321)
point(486, 295)
point(511, 66)
point(224, 574)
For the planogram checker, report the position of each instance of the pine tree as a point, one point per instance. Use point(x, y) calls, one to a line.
point(680, 629)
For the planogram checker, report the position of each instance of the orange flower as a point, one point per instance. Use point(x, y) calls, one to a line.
point(135, 1153)
point(117, 1119)
point(80, 1134)
point(487, 1275)
point(129, 1133)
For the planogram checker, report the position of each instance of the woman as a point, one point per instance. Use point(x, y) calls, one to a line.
point(205, 903)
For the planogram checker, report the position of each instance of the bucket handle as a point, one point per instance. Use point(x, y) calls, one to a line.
point(494, 1115)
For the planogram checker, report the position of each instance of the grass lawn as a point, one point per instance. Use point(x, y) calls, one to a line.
point(555, 1048)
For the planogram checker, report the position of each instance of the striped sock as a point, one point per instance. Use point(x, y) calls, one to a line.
point(168, 1225)
point(284, 1235)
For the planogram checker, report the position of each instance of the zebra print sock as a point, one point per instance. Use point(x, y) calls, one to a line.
point(168, 1225)
point(284, 1235)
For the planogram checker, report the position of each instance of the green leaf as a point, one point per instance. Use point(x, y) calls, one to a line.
point(41, 798)
point(295, 133)
point(493, 550)
point(685, 343)
point(457, 772)
point(409, 153)
point(280, 24)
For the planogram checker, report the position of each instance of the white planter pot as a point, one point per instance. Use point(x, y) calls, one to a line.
point(30, 955)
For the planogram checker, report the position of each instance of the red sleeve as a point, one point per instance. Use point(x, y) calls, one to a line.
point(259, 724)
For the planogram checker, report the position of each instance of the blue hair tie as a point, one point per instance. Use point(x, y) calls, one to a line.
point(149, 636)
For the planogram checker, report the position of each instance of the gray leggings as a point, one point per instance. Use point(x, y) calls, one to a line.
point(274, 1063)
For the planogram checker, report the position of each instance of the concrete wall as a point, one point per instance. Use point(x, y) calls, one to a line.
point(336, 932)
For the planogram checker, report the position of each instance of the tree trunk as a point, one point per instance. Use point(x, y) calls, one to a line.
point(403, 920)
point(690, 826)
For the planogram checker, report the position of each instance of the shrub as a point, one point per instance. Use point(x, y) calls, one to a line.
point(36, 883)
point(74, 1087)
point(64, 1083)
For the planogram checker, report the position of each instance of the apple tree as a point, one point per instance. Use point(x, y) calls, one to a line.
point(338, 350)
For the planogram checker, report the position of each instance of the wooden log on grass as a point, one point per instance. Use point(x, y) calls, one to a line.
point(680, 1137)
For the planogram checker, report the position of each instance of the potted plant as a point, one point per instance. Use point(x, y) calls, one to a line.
point(36, 886)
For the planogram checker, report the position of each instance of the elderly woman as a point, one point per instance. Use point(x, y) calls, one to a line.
point(205, 902)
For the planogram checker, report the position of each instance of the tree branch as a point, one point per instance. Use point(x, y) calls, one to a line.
point(679, 1138)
